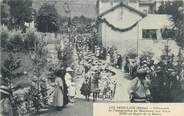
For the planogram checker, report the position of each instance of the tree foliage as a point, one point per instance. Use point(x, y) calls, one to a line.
point(16, 12)
point(176, 9)
point(9, 69)
point(15, 41)
point(31, 38)
point(65, 55)
point(47, 19)
point(5, 35)
point(39, 60)
point(5, 13)
point(38, 55)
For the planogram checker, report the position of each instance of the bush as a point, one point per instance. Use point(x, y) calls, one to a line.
point(4, 37)
point(31, 38)
point(16, 42)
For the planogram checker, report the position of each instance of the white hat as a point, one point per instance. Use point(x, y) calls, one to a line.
point(25, 72)
point(68, 69)
point(73, 83)
point(34, 78)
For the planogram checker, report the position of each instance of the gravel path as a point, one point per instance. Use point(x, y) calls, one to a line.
point(123, 84)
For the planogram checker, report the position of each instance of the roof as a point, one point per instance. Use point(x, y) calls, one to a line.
point(123, 5)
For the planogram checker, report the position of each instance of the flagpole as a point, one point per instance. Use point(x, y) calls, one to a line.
point(138, 39)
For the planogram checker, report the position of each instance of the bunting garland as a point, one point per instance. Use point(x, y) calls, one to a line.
point(116, 28)
point(100, 21)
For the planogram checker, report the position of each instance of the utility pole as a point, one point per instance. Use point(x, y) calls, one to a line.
point(68, 12)
point(138, 40)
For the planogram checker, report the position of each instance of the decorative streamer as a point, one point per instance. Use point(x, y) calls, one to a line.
point(116, 28)
point(100, 20)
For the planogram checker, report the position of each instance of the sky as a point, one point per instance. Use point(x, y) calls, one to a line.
point(79, 7)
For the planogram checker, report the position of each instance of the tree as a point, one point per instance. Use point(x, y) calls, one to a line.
point(47, 19)
point(65, 54)
point(5, 36)
point(176, 10)
point(9, 69)
point(17, 12)
point(5, 13)
point(39, 60)
point(16, 42)
point(9, 74)
point(38, 55)
point(31, 39)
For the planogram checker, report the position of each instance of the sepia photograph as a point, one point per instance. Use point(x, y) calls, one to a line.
point(60, 57)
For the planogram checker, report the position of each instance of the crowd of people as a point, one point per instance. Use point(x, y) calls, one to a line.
point(153, 82)
point(56, 90)
point(99, 85)
point(61, 87)
point(99, 81)
point(150, 81)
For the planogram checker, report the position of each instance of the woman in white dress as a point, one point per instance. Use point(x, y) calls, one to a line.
point(68, 77)
point(58, 94)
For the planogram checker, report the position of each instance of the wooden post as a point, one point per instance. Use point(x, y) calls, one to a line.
point(138, 39)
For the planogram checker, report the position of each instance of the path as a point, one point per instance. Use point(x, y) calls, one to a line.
point(84, 108)
point(121, 93)
point(79, 108)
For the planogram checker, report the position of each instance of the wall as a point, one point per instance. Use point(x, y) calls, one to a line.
point(121, 18)
point(132, 39)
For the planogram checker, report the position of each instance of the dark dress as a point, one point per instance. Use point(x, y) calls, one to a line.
point(85, 89)
point(119, 62)
point(61, 73)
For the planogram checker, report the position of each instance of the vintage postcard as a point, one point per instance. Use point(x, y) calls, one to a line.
point(92, 58)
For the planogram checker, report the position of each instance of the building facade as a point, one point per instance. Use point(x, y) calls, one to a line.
point(128, 26)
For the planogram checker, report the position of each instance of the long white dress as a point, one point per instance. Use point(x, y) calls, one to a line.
point(72, 91)
point(58, 94)
point(68, 79)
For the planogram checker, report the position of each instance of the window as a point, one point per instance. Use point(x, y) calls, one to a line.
point(149, 34)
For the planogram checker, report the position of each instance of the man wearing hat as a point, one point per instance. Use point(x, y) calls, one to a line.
point(6, 109)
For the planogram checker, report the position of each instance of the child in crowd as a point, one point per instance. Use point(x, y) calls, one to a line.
point(72, 92)
point(85, 89)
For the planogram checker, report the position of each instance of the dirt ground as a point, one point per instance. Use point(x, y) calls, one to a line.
point(79, 108)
